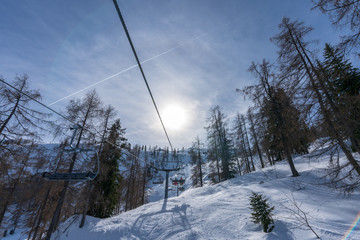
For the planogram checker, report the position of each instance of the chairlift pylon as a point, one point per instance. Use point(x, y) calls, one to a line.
point(75, 176)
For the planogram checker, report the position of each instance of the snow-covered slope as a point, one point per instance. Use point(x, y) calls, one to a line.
point(222, 211)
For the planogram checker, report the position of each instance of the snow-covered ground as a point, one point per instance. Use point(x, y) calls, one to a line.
point(222, 211)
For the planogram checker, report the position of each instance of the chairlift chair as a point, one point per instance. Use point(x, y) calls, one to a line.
point(158, 179)
point(175, 181)
point(181, 181)
point(181, 176)
point(75, 176)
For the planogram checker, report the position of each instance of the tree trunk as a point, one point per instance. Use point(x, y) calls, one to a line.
point(41, 210)
point(252, 128)
point(217, 162)
point(200, 163)
point(245, 156)
point(86, 207)
point(238, 163)
point(248, 143)
point(284, 138)
point(144, 186)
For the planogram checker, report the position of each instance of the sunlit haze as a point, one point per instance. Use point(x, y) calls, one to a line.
point(174, 117)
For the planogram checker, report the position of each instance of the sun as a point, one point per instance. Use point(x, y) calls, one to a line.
point(174, 116)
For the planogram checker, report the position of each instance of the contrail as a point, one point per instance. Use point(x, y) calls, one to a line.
point(147, 60)
point(103, 80)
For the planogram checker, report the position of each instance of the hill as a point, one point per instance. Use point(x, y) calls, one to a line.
point(222, 211)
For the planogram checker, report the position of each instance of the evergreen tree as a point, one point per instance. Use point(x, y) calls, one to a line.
point(343, 82)
point(261, 212)
point(294, 125)
point(107, 185)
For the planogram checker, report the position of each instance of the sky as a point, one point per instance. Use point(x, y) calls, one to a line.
point(194, 55)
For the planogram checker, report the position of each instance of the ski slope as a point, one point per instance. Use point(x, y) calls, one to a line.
point(222, 211)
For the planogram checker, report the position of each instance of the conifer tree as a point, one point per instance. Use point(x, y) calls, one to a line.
point(107, 185)
point(261, 212)
point(343, 82)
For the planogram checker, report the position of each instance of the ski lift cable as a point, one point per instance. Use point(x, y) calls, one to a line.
point(140, 67)
point(64, 117)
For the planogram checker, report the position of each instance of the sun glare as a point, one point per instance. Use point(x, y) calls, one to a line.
point(174, 117)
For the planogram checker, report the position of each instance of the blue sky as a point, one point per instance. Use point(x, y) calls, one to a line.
point(197, 53)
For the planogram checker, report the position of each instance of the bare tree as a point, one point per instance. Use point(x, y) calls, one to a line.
point(255, 137)
point(343, 13)
point(219, 143)
point(17, 118)
point(240, 144)
point(268, 95)
point(248, 142)
point(197, 161)
point(20, 163)
point(294, 56)
point(83, 111)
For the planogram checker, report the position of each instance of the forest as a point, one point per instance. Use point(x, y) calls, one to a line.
point(307, 95)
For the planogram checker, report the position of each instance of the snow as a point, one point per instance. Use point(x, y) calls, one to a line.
point(221, 211)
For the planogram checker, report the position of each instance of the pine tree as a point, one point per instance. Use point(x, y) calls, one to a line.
point(107, 185)
point(343, 82)
point(261, 211)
